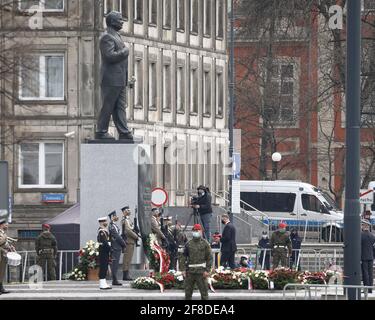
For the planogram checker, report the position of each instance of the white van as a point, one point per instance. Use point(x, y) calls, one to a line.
point(298, 204)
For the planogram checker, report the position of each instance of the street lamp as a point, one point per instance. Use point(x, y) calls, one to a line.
point(276, 158)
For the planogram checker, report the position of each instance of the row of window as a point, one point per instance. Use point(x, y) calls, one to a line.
point(186, 85)
point(42, 78)
point(213, 10)
point(41, 165)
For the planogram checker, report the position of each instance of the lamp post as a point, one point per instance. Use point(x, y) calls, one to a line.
point(352, 228)
point(276, 158)
point(232, 101)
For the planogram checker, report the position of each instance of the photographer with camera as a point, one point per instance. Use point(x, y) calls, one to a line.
point(202, 204)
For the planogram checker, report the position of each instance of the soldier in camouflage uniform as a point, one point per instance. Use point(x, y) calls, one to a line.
point(46, 249)
point(181, 239)
point(196, 264)
point(281, 246)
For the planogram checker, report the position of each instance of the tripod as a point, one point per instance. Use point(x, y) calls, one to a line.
point(197, 220)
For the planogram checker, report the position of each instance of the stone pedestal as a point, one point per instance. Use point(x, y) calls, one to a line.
point(109, 181)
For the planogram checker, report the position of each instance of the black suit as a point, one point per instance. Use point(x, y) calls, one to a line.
point(367, 257)
point(113, 79)
point(228, 246)
point(104, 252)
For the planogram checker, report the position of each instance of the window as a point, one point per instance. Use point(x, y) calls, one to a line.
point(153, 12)
point(138, 88)
point(167, 87)
point(42, 77)
point(181, 15)
point(368, 99)
point(152, 81)
point(269, 201)
point(194, 91)
point(45, 5)
point(310, 203)
point(124, 9)
point(194, 16)
point(154, 163)
point(116, 5)
point(207, 92)
point(167, 13)
point(207, 17)
point(280, 105)
point(368, 5)
point(180, 89)
point(219, 94)
point(193, 164)
point(167, 168)
point(181, 169)
point(220, 173)
point(138, 8)
point(219, 18)
point(41, 165)
point(207, 166)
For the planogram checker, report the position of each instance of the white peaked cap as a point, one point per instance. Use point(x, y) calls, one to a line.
point(102, 219)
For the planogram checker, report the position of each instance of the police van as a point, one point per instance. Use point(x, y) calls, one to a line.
point(300, 205)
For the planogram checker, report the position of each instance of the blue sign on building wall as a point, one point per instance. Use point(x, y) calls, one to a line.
point(53, 197)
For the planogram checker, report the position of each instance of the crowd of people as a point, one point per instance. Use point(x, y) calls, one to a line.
point(193, 257)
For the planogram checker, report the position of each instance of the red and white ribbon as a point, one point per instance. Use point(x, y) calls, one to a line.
point(209, 280)
point(161, 286)
point(249, 284)
point(158, 250)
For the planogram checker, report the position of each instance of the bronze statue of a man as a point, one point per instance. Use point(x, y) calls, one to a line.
point(114, 79)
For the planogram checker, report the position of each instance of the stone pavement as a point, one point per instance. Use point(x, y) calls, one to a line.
point(69, 290)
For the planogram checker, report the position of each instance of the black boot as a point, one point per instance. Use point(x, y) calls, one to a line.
point(124, 275)
point(127, 277)
point(115, 282)
point(2, 290)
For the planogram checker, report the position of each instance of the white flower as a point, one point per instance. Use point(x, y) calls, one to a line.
point(180, 278)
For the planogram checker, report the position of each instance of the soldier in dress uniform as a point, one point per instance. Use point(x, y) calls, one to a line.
point(197, 262)
point(156, 226)
point(280, 245)
point(104, 252)
point(117, 245)
point(172, 247)
point(131, 239)
point(46, 249)
point(5, 247)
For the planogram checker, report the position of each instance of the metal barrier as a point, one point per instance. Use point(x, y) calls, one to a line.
point(313, 260)
point(65, 262)
point(324, 291)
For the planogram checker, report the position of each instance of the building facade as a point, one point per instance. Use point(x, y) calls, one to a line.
point(291, 96)
point(51, 98)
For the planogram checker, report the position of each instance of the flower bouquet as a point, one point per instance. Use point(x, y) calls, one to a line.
point(283, 276)
point(227, 279)
point(145, 283)
point(312, 277)
point(259, 279)
point(88, 260)
point(77, 275)
point(158, 257)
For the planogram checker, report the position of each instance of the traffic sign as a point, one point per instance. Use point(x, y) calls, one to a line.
point(159, 197)
point(366, 196)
